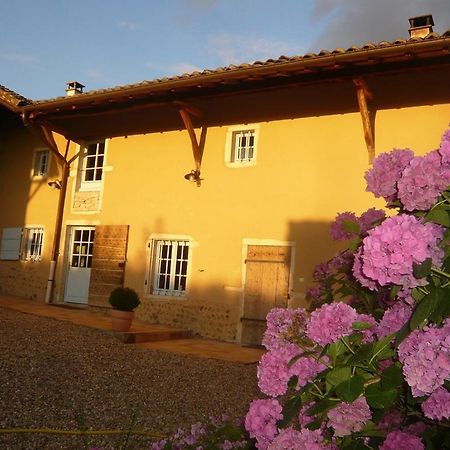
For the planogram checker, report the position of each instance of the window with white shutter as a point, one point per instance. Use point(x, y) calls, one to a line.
point(11, 243)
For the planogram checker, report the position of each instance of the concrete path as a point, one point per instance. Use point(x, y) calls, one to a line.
point(152, 336)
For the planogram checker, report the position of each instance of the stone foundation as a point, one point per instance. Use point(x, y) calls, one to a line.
point(24, 279)
point(206, 318)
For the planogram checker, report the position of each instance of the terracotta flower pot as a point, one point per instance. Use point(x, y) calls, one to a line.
point(121, 320)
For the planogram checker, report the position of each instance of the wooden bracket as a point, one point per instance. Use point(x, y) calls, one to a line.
point(197, 145)
point(364, 96)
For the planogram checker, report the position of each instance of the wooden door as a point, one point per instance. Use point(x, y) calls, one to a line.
point(108, 262)
point(80, 264)
point(266, 287)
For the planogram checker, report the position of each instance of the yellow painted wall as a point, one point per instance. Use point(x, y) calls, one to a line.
point(307, 170)
point(25, 201)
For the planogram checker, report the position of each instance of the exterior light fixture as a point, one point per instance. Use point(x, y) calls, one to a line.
point(55, 184)
point(193, 175)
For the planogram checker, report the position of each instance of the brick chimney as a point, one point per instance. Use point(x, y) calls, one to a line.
point(421, 26)
point(74, 88)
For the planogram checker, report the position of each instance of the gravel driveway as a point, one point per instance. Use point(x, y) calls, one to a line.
point(58, 375)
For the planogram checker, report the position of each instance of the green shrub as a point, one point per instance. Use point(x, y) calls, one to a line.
point(124, 299)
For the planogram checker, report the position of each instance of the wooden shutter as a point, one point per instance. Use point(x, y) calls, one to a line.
point(108, 262)
point(266, 287)
point(11, 240)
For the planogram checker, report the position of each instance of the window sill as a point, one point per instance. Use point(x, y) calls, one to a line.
point(164, 297)
point(240, 165)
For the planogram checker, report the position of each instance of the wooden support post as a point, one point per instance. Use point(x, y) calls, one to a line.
point(364, 95)
point(197, 145)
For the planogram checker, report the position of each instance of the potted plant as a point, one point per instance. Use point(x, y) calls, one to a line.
point(124, 301)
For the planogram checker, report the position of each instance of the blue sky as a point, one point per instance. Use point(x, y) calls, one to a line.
point(104, 43)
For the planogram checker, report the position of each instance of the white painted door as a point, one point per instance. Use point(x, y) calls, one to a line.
point(80, 262)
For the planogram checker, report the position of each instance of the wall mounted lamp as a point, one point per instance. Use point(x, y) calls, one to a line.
point(194, 177)
point(55, 184)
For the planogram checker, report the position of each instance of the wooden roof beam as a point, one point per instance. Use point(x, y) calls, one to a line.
point(364, 96)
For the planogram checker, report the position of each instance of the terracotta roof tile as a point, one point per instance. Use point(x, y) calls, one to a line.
point(269, 63)
point(12, 98)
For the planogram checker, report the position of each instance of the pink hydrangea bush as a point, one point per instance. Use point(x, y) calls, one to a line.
point(370, 365)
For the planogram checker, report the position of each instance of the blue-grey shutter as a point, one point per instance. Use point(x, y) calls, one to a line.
point(10, 247)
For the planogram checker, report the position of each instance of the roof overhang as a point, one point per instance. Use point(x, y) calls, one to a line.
point(153, 105)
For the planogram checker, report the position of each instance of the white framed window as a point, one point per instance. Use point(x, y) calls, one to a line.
point(22, 243)
point(32, 239)
point(92, 166)
point(169, 267)
point(41, 163)
point(241, 145)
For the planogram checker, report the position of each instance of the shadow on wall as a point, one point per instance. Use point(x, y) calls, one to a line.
point(314, 245)
point(214, 310)
point(18, 191)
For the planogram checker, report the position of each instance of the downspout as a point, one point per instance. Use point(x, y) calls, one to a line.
point(58, 227)
point(44, 133)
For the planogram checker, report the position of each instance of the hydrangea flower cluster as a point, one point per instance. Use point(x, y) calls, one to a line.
point(338, 229)
point(393, 319)
point(260, 421)
point(423, 181)
point(348, 226)
point(274, 371)
point(401, 440)
point(346, 418)
point(282, 325)
point(437, 405)
point(370, 217)
point(425, 355)
point(444, 149)
point(369, 333)
point(290, 439)
point(331, 322)
point(390, 250)
point(387, 169)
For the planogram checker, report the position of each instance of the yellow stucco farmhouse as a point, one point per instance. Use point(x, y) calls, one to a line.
point(209, 193)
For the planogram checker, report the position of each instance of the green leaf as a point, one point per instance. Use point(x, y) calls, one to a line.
point(361, 325)
point(394, 291)
point(350, 390)
point(417, 295)
point(438, 215)
point(382, 348)
point(314, 425)
point(391, 377)
point(351, 227)
point(355, 445)
point(354, 243)
point(321, 406)
point(334, 350)
point(293, 381)
point(364, 353)
point(424, 310)
point(338, 375)
point(423, 269)
point(442, 308)
point(377, 397)
point(290, 410)
point(402, 334)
